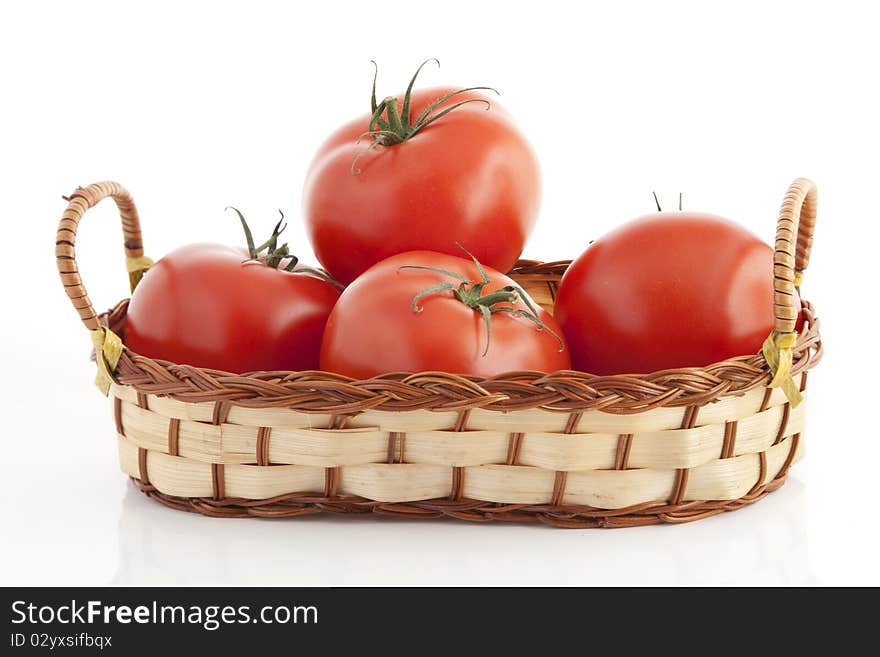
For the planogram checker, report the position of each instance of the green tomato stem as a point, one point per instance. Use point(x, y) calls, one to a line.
point(470, 294)
point(276, 255)
point(390, 126)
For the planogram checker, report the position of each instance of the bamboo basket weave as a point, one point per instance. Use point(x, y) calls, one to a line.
point(568, 449)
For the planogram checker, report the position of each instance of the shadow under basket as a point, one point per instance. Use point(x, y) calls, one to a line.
point(568, 449)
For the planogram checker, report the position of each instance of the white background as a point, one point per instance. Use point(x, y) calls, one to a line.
point(194, 106)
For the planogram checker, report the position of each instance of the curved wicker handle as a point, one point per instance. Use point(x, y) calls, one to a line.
point(80, 201)
point(794, 240)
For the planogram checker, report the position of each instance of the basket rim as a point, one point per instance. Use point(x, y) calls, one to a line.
point(564, 391)
point(568, 391)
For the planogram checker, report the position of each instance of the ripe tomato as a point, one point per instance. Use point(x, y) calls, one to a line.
point(201, 305)
point(468, 175)
point(672, 289)
point(382, 324)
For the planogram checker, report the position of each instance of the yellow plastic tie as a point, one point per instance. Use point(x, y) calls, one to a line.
point(108, 349)
point(136, 268)
point(798, 279)
point(778, 352)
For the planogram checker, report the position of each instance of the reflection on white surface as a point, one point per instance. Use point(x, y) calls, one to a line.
point(762, 544)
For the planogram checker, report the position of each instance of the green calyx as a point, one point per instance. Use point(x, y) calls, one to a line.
point(391, 124)
point(470, 293)
point(275, 256)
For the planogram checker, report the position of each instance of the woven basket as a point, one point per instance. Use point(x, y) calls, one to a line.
point(569, 449)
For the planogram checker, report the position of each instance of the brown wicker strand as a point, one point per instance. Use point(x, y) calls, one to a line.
point(218, 481)
point(142, 465)
point(174, 436)
point(462, 420)
point(117, 416)
point(80, 201)
point(457, 484)
point(514, 446)
point(729, 445)
point(262, 450)
point(559, 484)
point(624, 446)
point(783, 424)
point(393, 437)
point(794, 241)
point(762, 473)
point(783, 471)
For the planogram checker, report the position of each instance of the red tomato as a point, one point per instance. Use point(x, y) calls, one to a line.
point(373, 329)
point(468, 176)
point(672, 289)
point(200, 305)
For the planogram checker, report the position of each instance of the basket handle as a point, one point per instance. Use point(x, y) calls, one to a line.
point(81, 200)
point(794, 241)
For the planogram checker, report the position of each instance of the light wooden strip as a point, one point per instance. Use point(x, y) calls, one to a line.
point(730, 479)
point(688, 448)
point(540, 293)
point(231, 443)
point(198, 441)
point(173, 475)
point(737, 408)
point(675, 448)
point(757, 433)
point(319, 447)
point(405, 421)
point(724, 479)
point(456, 448)
point(145, 428)
point(184, 477)
point(558, 451)
point(400, 482)
point(510, 484)
point(277, 417)
point(592, 421)
point(615, 489)
point(258, 483)
point(197, 412)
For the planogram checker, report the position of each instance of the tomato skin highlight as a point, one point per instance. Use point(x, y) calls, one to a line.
point(201, 305)
point(373, 329)
point(668, 290)
point(470, 175)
